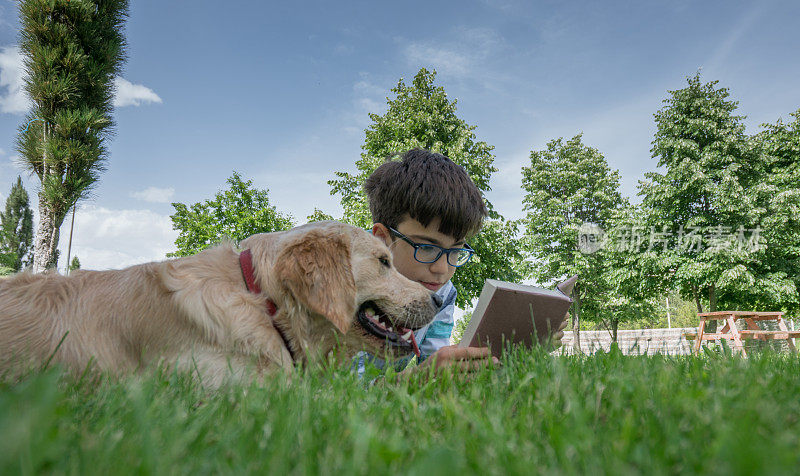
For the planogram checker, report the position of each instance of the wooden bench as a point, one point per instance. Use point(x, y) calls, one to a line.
point(730, 332)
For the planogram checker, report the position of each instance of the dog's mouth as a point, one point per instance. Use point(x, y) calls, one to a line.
point(378, 323)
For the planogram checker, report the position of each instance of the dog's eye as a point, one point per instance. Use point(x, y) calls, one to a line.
point(384, 261)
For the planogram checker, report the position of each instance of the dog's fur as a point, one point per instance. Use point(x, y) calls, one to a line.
point(197, 313)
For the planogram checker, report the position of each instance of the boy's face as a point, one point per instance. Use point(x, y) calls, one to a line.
point(431, 275)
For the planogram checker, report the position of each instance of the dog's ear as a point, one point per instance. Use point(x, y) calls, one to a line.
point(316, 271)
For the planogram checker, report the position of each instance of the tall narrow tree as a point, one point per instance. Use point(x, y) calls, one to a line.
point(72, 53)
point(16, 227)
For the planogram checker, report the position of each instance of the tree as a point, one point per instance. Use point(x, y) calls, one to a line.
point(232, 214)
point(498, 255)
point(318, 215)
point(75, 264)
point(709, 192)
point(422, 116)
point(460, 327)
point(16, 227)
point(569, 186)
point(625, 294)
point(776, 275)
point(4, 270)
point(7, 259)
point(73, 51)
point(419, 116)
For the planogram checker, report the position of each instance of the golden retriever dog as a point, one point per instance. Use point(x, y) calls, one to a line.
point(289, 297)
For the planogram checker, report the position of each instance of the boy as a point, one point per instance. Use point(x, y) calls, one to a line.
point(424, 207)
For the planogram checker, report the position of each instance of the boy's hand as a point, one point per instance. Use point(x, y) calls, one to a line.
point(470, 359)
point(466, 359)
point(555, 339)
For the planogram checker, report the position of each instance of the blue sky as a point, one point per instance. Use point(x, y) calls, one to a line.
point(281, 91)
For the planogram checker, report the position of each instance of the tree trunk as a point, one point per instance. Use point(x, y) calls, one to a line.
point(576, 322)
point(697, 298)
point(46, 242)
point(69, 246)
point(712, 299)
point(614, 327)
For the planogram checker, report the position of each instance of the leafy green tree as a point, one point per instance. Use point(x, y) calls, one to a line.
point(75, 264)
point(460, 327)
point(421, 115)
point(232, 214)
point(7, 259)
point(710, 193)
point(498, 255)
point(318, 215)
point(773, 280)
point(569, 186)
point(73, 51)
point(625, 296)
point(16, 228)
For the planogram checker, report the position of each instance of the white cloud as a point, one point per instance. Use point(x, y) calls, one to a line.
point(368, 98)
point(113, 239)
point(10, 165)
point(13, 99)
point(460, 56)
point(129, 94)
point(155, 195)
point(343, 49)
point(498, 4)
point(443, 59)
point(507, 194)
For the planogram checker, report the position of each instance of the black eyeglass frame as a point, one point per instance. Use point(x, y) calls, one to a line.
point(417, 246)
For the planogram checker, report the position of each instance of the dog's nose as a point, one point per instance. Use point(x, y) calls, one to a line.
point(437, 300)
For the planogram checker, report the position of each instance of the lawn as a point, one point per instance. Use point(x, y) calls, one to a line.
point(604, 413)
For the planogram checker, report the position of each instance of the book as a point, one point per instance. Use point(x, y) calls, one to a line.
point(510, 312)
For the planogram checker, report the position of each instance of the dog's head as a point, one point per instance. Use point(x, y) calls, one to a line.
point(340, 280)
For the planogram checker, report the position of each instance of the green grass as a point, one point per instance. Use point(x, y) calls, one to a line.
point(550, 415)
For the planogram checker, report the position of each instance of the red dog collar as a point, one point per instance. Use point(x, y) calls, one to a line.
point(246, 263)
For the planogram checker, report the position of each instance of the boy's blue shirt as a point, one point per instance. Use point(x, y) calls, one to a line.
point(429, 338)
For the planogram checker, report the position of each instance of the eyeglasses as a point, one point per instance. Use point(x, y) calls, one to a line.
point(428, 253)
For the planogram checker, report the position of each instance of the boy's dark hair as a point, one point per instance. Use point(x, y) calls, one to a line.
point(426, 185)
